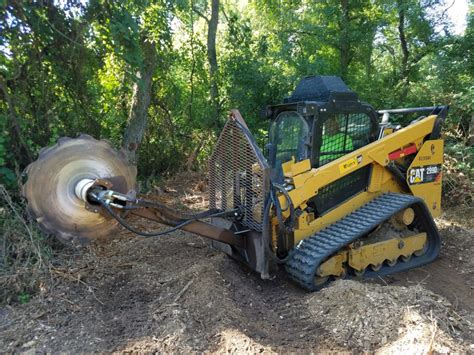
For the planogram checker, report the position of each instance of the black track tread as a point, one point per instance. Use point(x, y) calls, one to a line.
point(305, 258)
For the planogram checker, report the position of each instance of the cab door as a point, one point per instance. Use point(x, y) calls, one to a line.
point(289, 139)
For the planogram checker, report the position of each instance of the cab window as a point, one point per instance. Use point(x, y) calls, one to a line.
point(342, 134)
point(288, 137)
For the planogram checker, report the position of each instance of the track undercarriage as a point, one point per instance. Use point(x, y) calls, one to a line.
point(392, 233)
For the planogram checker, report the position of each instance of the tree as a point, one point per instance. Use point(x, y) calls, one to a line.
point(138, 117)
point(212, 23)
point(140, 32)
point(419, 34)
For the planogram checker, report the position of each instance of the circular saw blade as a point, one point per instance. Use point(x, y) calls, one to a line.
point(49, 189)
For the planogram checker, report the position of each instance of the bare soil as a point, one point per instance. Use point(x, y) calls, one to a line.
point(175, 293)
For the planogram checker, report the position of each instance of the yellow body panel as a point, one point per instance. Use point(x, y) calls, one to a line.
point(426, 167)
point(291, 169)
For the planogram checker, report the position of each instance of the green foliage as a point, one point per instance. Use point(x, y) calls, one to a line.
point(7, 175)
point(458, 180)
point(70, 67)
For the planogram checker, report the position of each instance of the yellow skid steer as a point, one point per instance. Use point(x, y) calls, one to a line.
point(338, 192)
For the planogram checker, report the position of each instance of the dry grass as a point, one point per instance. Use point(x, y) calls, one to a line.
point(25, 253)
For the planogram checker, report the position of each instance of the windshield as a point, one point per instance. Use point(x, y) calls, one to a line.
point(288, 137)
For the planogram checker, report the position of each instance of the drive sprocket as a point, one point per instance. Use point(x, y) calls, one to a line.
point(52, 178)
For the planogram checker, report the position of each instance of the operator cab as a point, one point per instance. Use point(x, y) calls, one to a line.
point(322, 120)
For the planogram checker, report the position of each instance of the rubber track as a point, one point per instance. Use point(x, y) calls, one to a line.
point(305, 258)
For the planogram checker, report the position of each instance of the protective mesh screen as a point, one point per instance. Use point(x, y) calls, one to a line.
point(342, 134)
point(238, 175)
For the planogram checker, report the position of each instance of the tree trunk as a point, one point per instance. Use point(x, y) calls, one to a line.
point(138, 116)
point(404, 73)
point(18, 143)
point(212, 58)
point(194, 154)
point(344, 45)
point(368, 59)
point(471, 131)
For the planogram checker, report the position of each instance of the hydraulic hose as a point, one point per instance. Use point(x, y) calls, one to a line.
point(290, 223)
point(160, 233)
point(287, 227)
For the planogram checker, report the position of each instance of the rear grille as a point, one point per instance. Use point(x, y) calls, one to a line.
point(238, 174)
point(340, 190)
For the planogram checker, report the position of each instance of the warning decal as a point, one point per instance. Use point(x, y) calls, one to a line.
point(424, 174)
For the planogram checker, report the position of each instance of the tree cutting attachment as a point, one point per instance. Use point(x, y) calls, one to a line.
point(57, 184)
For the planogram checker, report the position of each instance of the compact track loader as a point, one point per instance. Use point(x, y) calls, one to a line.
point(340, 192)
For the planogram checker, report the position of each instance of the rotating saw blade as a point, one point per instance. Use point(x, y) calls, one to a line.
point(52, 178)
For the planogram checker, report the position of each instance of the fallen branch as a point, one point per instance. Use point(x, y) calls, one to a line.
point(433, 328)
point(185, 288)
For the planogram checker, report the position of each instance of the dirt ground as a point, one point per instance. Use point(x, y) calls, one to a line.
point(175, 293)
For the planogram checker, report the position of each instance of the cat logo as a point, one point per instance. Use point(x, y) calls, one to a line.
point(424, 174)
point(415, 175)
